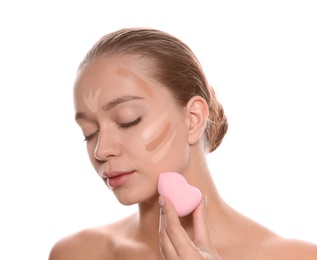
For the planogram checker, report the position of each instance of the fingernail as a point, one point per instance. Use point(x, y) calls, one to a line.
point(161, 201)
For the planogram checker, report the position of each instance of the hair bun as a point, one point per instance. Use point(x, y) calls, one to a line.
point(217, 124)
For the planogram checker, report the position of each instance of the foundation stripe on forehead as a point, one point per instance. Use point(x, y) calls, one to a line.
point(91, 99)
point(158, 140)
point(136, 78)
point(163, 151)
point(155, 126)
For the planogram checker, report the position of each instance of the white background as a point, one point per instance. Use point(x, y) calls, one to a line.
point(261, 58)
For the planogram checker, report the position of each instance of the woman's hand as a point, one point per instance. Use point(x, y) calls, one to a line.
point(174, 241)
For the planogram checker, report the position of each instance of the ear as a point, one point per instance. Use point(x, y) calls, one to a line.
point(197, 115)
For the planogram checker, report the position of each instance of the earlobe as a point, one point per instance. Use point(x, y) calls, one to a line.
point(197, 112)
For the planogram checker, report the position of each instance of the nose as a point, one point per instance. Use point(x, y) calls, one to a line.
point(106, 148)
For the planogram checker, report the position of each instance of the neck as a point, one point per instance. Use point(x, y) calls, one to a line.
point(149, 211)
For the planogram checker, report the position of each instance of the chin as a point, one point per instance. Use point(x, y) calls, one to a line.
point(131, 198)
point(127, 202)
point(127, 199)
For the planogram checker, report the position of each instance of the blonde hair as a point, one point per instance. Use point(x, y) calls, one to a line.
point(177, 68)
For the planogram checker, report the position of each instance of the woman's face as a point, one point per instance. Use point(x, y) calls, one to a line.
point(132, 125)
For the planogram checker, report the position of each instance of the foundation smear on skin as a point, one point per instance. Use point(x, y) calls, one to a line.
point(153, 128)
point(136, 79)
point(158, 140)
point(162, 141)
point(159, 155)
point(91, 99)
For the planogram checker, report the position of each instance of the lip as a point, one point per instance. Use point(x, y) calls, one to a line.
point(116, 179)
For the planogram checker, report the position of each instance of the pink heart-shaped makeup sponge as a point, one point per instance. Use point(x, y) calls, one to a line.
point(184, 197)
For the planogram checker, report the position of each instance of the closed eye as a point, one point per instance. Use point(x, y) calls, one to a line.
point(89, 137)
point(130, 124)
point(122, 125)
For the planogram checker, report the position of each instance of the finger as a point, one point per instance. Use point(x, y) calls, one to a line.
point(167, 250)
point(202, 238)
point(173, 228)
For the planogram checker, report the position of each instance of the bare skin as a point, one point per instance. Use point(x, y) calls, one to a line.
point(240, 238)
point(213, 231)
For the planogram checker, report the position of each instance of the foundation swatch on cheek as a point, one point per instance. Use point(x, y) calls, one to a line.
point(161, 138)
point(91, 99)
point(161, 153)
point(158, 140)
point(155, 126)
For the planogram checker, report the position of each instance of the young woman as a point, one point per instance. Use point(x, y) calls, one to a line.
point(145, 107)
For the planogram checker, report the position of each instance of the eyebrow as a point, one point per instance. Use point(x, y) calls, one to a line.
point(110, 105)
point(113, 103)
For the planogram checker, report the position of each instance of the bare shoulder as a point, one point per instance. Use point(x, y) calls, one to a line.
point(282, 248)
point(86, 244)
point(261, 243)
point(275, 248)
point(93, 243)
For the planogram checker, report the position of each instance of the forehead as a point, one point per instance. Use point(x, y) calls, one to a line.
point(114, 71)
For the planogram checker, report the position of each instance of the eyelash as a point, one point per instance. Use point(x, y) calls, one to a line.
point(130, 124)
point(89, 137)
point(124, 126)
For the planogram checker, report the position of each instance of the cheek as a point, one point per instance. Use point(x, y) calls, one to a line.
point(90, 147)
point(172, 154)
point(165, 146)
